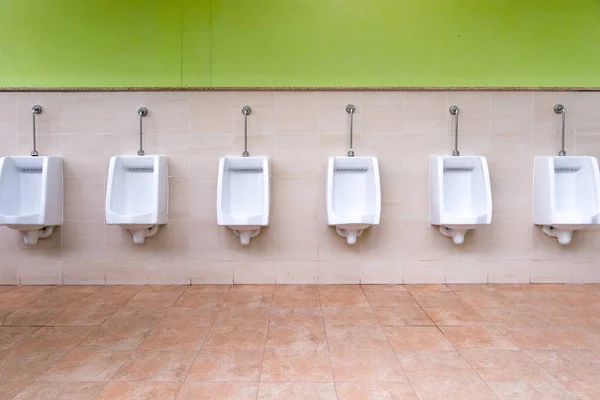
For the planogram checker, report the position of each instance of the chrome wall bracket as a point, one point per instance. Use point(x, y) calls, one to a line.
point(35, 110)
point(142, 112)
point(350, 109)
point(246, 110)
point(560, 109)
point(454, 111)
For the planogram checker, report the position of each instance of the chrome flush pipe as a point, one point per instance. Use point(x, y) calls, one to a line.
point(246, 110)
point(560, 109)
point(142, 112)
point(454, 111)
point(350, 110)
point(36, 109)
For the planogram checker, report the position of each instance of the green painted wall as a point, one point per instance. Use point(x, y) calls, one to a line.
point(225, 43)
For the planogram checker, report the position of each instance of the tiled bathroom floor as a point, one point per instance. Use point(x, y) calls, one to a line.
point(300, 342)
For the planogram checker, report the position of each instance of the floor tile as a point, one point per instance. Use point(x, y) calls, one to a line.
point(61, 390)
point(435, 366)
point(218, 390)
point(584, 390)
point(21, 296)
point(427, 288)
point(27, 365)
point(477, 337)
point(307, 337)
point(200, 300)
point(157, 297)
point(552, 390)
point(159, 366)
point(184, 316)
point(287, 296)
point(31, 316)
point(349, 315)
point(241, 317)
point(113, 295)
point(84, 315)
point(169, 337)
point(226, 365)
point(249, 299)
point(296, 316)
point(11, 335)
point(296, 391)
point(342, 296)
point(366, 366)
point(400, 316)
point(375, 391)
point(478, 299)
point(404, 338)
point(63, 296)
point(437, 298)
point(116, 337)
point(55, 338)
point(140, 391)
point(383, 288)
point(146, 317)
point(454, 315)
point(551, 338)
point(297, 366)
point(390, 299)
point(10, 389)
point(231, 337)
point(454, 390)
point(505, 366)
point(569, 365)
point(356, 338)
point(84, 365)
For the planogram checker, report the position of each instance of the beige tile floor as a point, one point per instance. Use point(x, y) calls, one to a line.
point(300, 342)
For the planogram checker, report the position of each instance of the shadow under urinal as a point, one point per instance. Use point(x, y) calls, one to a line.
point(566, 195)
point(31, 195)
point(243, 195)
point(460, 195)
point(353, 195)
point(137, 195)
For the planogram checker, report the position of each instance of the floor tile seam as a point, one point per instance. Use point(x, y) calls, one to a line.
point(206, 337)
point(327, 345)
point(542, 367)
point(101, 390)
point(45, 292)
point(96, 326)
point(262, 361)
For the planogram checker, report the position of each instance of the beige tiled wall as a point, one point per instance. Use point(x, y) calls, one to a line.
point(298, 131)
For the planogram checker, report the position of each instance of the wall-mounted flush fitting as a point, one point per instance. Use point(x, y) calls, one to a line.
point(350, 110)
point(142, 112)
point(560, 109)
point(246, 110)
point(35, 110)
point(454, 111)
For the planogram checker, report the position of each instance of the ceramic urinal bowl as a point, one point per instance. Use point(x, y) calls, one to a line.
point(31, 195)
point(243, 195)
point(460, 195)
point(353, 195)
point(137, 195)
point(566, 195)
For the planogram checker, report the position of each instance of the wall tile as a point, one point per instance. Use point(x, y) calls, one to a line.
point(93, 273)
point(47, 145)
point(511, 155)
point(393, 192)
point(331, 145)
point(466, 272)
point(168, 273)
point(211, 242)
point(512, 113)
point(333, 117)
point(335, 272)
point(211, 112)
point(508, 271)
point(550, 145)
point(252, 272)
point(176, 147)
point(203, 198)
point(258, 144)
point(545, 120)
point(84, 198)
point(127, 273)
point(513, 196)
point(333, 247)
point(297, 112)
point(296, 156)
point(381, 272)
point(168, 112)
point(587, 119)
point(474, 112)
point(588, 145)
point(10, 273)
point(426, 113)
point(510, 239)
point(297, 272)
point(119, 112)
point(80, 113)
point(82, 155)
point(47, 122)
point(387, 149)
point(8, 114)
point(261, 247)
point(295, 197)
point(42, 273)
point(295, 239)
point(211, 272)
point(9, 145)
point(205, 151)
point(262, 117)
point(549, 272)
point(383, 112)
point(418, 272)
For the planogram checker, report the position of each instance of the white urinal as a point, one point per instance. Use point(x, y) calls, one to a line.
point(460, 195)
point(137, 196)
point(243, 195)
point(353, 195)
point(566, 195)
point(31, 195)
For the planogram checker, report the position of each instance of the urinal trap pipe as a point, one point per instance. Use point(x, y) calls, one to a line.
point(454, 111)
point(36, 109)
point(350, 110)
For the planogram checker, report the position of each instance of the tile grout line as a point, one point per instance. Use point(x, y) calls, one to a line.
point(265, 346)
point(327, 343)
